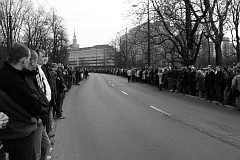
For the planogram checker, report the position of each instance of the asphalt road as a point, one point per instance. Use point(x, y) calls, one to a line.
point(108, 118)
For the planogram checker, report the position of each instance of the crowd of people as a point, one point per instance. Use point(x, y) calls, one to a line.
point(219, 84)
point(32, 92)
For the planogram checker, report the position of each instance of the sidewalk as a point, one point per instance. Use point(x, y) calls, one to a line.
point(203, 99)
point(52, 140)
point(55, 121)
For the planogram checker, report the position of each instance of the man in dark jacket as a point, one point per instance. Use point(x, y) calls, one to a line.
point(61, 88)
point(183, 80)
point(192, 81)
point(12, 82)
point(228, 97)
point(219, 84)
point(53, 72)
point(42, 142)
point(209, 83)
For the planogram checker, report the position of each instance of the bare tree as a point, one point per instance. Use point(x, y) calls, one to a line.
point(13, 13)
point(60, 39)
point(36, 29)
point(215, 22)
point(182, 24)
point(234, 26)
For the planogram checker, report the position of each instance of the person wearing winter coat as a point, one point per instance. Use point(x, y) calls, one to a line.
point(209, 84)
point(236, 85)
point(192, 81)
point(160, 76)
point(200, 84)
point(219, 84)
point(228, 97)
point(20, 104)
point(41, 139)
point(129, 74)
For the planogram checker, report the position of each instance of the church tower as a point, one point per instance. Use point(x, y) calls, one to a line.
point(74, 38)
point(75, 45)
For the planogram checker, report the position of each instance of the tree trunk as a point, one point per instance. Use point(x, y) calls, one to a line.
point(218, 53)
point(238, 45)
point(188, 28)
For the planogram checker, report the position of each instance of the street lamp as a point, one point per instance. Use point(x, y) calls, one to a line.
point(148, 34)
point(126, 43)
point(9, 29)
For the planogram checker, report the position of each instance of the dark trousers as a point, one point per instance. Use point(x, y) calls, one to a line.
point(20, 149)
point(210, 90)
point(193, 88)
point(77, 79)
point(2, 153)
point(59, 104)
point(129, 78)
point(184, 88)
point(219, 92)
point(69, 82)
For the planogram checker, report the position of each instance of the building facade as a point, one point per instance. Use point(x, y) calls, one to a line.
point(99, 56)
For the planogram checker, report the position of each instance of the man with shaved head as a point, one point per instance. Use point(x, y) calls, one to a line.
point(42, 142)
point(24, 105)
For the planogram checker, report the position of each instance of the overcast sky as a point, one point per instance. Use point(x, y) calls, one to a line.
point(96, 22)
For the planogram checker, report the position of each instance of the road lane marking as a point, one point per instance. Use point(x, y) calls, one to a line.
point(159, 110)
point(124, 92)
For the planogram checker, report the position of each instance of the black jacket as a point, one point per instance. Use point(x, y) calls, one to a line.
point(20, 124)
point(220, 78)
point(12, 82)
point(209, 79)
point(60, 85)
point(31, 80)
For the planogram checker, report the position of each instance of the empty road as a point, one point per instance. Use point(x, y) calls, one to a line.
point(108, 118)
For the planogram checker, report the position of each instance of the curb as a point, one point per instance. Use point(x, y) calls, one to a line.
point(203, 99)
point(49, 157)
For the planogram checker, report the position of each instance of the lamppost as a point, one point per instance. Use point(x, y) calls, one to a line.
point(9, 29)
point(148, 34)
point(126, 45)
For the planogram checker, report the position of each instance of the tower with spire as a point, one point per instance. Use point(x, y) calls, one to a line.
point(75, 45)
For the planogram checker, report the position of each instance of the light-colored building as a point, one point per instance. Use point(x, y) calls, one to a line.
point(99, 56)
point(226, 46)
